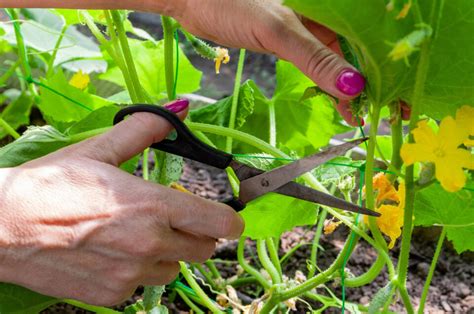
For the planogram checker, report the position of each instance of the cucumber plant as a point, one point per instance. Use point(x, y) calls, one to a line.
point(410, 51)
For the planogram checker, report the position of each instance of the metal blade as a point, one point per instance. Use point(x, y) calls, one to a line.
point(263, 183)
point(308, 194)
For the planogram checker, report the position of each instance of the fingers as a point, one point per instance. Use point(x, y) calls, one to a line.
point(345, 110)
point(132, 135)
point(161, 273)
point(196, 215)
point(182, 246)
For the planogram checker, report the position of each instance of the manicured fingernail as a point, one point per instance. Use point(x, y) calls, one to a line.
point(350, 82)
point(177, 105)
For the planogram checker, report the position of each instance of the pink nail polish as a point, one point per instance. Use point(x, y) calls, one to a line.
point(177, 105)
point(350, 82)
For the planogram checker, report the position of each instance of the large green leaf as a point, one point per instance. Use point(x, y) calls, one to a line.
point(59, 109)
point(41, 33)
point(17, 113)
point(369, 27)
point(455, 211)
point(19, 300)
point(150, 66)
point(301, 125)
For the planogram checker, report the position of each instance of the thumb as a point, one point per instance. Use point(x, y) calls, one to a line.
point(132, 135)
point(325, 67)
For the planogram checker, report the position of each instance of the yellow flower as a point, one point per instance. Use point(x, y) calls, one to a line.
point(465, 121)
point(330, 225)
point(443, 150)
point(404, 12)
point(222, 57)
point(179, 187)
point(391, 220)
point(80, 80)
point(385, 189)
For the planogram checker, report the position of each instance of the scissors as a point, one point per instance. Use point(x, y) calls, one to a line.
point(253, 182)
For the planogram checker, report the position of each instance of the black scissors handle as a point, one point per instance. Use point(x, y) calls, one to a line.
point(186, 143)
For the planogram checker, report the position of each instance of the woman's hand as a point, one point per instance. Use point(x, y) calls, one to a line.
point(268, 26)
point(73, 225)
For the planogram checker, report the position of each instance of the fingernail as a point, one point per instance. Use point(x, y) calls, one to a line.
point(177, 105)
point(350, 82)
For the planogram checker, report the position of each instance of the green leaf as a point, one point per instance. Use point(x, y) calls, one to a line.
point(18, 300)
point(380, 298)
point(455, 211)
point(219, 113)
point(301, 126)
point(273, 214)
point(168, 168)
point(34, 143)
point(100, 118)
point(17, 113)
point(152, 297)
point(41, 33)
point(369, 28)
point(57, 108)
point(336, 169)
point(151, 70)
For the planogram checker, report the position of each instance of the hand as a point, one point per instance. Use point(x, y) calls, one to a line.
point(73, 225)
point(271, 27)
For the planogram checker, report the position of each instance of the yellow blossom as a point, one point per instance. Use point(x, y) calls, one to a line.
point(391, 220)
point(384, 188)
point(222, 57)
point(404, 12)
point(179, 187)
point(443, 150)
point(80, 80)
point(330, 225)
point(465, 121)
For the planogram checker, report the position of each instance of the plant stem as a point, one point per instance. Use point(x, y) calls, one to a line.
point(315, 245)
point(168, 38)
point(92, 308)
point(235, 97)
point(214, 271)
point(272, 123)
point(189, 303)
point(195, 286)
point(434, 261)
point(127, 54)
point(9, 129)
point(21, 47)
point(206, 275)
point(273, 251)
point(368, 276)
point(145, 170)
point(246, 266)
point(418, 90)
point(369, 174)
point(266, 262)
point(50, 67)
point(397, 137)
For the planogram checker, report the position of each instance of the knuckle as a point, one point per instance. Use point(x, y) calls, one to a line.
point(322, 62)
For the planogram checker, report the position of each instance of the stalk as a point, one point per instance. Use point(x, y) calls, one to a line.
point(127, 54)
point(272, 118)
point(55, 51)
point(369, 174)
point(314, 247)
point(200, 293)
point(9, 129)
point(235, 97)
point(434, 261)
point(421, 75)
point(266, 262)
point(246, 266)
point(206, 275)
point(213, 269)
point(273, 251)
point(368, 276)
point(189, 303)
point(92, 308)
point(145, 170)
point(168, 38)
point(397, 138)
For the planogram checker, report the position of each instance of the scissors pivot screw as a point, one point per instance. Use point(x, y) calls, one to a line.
point(265, 182)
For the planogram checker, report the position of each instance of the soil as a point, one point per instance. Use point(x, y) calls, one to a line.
point(451, 289)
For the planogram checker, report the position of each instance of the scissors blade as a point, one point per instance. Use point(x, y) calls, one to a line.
point(266, 182)
point(308, 194)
